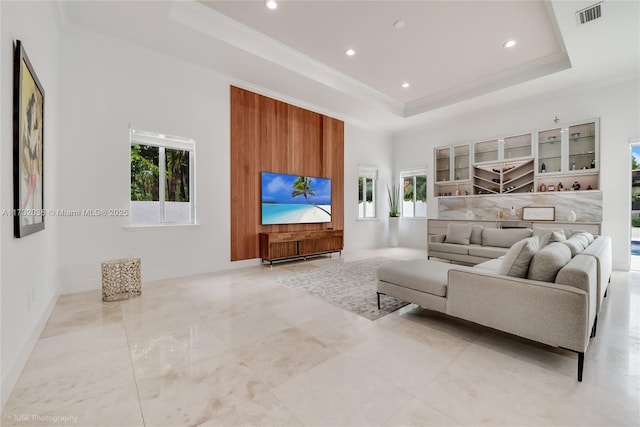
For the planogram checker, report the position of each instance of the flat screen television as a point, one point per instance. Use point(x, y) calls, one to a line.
point(295, 199)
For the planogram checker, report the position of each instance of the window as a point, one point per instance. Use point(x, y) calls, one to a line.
point(414, 193)
point(162, 179)
point(367, 177)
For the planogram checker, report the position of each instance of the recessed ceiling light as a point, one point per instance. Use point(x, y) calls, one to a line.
point(349, 52)
point(405, 85)
point(271, 4)
point(399, 24)
point(510, 43)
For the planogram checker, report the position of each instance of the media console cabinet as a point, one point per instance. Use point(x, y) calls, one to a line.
point(299, 244)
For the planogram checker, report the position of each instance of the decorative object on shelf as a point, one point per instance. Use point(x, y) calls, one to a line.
point(539, 213)
point(573, 165)
point(551, 187)
point(500, 214)
point(576, 186)
point(589, 187)
point(543, 188)
point(560, 187)
point(28, 143)
point(571, 216)
point(593, 164)
point(457, 189)
point(575, 134)
point(543, 168)
point(393, 194)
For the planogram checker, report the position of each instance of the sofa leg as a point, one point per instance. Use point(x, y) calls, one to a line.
point(378, 300)
point(595, 326)
point(580, 365)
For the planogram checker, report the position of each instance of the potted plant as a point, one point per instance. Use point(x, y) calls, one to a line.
point(393, 194)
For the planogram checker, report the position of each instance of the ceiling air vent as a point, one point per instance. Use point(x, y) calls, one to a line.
point(589, 14)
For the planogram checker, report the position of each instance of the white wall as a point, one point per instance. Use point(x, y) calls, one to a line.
point(108, 87)
point(364, 147)
point(28, 265)
point(618, 106)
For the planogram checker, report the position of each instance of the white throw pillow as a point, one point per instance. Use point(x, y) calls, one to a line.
point(553, 236)
point(516, 260)
point(458, 233)
point(548, 261)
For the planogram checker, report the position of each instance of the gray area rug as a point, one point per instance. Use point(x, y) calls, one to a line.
point(350, 286)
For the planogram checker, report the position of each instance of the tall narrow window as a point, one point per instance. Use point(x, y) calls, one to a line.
point(367, 177)
point(162, 172)
point(414, 193)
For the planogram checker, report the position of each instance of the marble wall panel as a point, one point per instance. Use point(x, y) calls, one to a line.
point(585, 206)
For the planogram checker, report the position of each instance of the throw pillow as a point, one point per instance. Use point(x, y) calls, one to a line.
point(580, 238)
point(458, 234)
point(516, 260)
point(575, 246)
point(553, 236)
point(476, 235)
point(548, 261)
point(586, 235)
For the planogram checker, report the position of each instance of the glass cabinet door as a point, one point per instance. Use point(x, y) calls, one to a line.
point(485, 151)
point(443, 164)
point(461, 162)
point(549, 151)
point(582, 146)
point(517, 146)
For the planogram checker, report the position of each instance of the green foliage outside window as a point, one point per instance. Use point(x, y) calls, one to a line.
point(421, 193)
point(176, 175)
point(145, 173)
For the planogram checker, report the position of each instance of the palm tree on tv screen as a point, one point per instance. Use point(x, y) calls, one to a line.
point(302, 187)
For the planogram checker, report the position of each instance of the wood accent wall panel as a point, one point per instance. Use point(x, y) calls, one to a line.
point(273, 136)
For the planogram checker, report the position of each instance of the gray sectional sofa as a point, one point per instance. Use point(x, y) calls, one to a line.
point(544, 290)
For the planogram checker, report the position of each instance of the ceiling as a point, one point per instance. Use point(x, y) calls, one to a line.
point(451, 52)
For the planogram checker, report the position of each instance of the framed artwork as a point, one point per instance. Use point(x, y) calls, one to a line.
point(28, 142)
point(539, 213)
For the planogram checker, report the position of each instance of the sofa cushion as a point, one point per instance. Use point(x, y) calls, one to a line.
point(458, 233)
point(449, 248)
point(504, 238)
point(418, 274)
point(486, 251)
point(476, 235)
point(516, 260)
point(546, 263)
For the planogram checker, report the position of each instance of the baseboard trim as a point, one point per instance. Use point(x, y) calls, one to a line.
point(10, 378)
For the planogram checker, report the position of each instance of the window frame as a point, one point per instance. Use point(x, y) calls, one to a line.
point(367, 173)
point(415, 173)
point(163, 142)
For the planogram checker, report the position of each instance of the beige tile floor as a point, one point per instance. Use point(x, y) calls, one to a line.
point(237, 348)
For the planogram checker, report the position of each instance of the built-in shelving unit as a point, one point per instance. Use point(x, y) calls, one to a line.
point(505, 177)
point(563, 157)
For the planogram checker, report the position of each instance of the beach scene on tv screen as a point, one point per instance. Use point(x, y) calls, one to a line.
point(294, 199)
